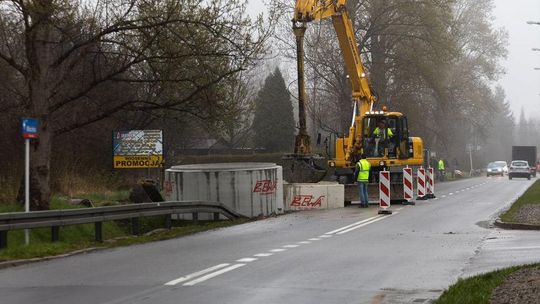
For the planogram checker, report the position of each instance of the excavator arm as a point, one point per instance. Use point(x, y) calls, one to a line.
point(402, 150)
point(315, 10)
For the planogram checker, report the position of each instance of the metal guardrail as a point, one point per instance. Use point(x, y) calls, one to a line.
point(57, 218)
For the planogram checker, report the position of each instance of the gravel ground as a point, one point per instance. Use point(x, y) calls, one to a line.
point(528, 214)
point(521, 287)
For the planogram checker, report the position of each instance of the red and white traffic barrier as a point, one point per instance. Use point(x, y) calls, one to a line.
point(421, 187)
point(430, 183)
point(384, 192)
point(408, 191)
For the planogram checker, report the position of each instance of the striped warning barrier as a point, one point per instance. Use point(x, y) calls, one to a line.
point(408, 191)
point(421, 181)
point(430, 183)
point(384, 192)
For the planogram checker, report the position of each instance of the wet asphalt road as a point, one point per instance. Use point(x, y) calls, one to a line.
point(349, 255)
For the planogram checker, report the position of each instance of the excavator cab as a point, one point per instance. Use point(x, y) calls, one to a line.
point(385, 135)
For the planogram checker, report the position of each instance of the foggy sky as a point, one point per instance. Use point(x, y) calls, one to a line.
point(521, 82)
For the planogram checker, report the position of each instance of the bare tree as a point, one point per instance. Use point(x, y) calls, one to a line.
point(80, 62)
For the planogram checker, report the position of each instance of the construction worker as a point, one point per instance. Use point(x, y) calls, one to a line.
point(361, 174)
point(381, 131)
point(440, 166)
point(382, 135)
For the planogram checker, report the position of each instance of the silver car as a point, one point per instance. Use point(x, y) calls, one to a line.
point(494, 169)
point(519, 168)
point(503, 164)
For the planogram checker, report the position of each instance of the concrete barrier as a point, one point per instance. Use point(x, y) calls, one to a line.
point(250, 189)
point(323, 195)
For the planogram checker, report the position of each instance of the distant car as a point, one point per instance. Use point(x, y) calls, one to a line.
point(519, 168)
point(503, 164)
point(494, 169)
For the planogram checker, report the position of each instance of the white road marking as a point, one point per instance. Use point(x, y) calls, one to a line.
point(367, 223)
point(263, 255)
point(450, 193)
point(278, 250)
point(400, 208)
point(196, 274)
point(519, 248)
point(213, 274)
point(443, 196)
point(353, 224)
point(291, 246)
point(246, 260)
point(325, 236)
point(304, 242)
point(315, 239)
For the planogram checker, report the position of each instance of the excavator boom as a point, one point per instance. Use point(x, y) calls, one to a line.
point(405, 150)
point(311, 10)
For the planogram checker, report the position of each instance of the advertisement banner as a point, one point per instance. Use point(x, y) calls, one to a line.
point(138, 149)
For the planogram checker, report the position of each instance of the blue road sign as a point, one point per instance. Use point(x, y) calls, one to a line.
point(30, 128)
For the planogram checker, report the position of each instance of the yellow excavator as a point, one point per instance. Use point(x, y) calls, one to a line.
point(392, 151)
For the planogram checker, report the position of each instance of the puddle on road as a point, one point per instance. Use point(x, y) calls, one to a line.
point(485, 224)
point(398, 296)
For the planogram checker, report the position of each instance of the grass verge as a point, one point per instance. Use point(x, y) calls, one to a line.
point(477, 289)
point(530, 197)
point(115, 234)
point(78, 237)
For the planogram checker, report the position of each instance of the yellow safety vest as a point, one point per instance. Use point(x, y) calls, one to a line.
point(441, 164)
point(389, 133)
point(363, 170)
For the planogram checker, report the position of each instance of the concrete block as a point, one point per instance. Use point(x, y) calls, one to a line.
point(251, 189)
point(323, 195)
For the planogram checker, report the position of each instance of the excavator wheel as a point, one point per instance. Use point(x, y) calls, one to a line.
point(303, 168)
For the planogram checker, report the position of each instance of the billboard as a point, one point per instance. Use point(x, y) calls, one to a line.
point(138, 149)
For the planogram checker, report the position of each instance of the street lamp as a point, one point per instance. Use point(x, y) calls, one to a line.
point(533, 22)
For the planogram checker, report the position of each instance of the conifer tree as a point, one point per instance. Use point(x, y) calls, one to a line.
point(273, 123)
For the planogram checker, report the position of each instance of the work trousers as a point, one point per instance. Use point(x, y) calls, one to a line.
point(362, 188)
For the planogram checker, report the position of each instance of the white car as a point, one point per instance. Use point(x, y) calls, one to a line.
point(519, 168)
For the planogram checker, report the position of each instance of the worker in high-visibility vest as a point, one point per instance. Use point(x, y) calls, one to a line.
point(441, 170)
point(361, 174)
point(381, 131)
point(382, 136)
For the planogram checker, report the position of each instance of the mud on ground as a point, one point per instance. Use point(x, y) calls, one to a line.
point(521, 287)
